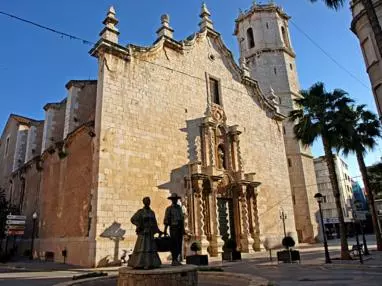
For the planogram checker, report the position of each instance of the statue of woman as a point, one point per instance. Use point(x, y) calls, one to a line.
point(145, 254)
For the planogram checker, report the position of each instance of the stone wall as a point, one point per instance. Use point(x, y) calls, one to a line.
point(272, 63)
point(373, 61)
point(54, 124)
point(80, 103)
point(143, 107)
point(65, 198)
point(7, 158)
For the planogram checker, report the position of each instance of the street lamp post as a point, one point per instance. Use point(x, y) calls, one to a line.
point(319, 199)
point(283, 217)
point(358, 206)
point(34, 218)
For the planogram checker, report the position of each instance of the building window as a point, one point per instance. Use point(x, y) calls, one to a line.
point(6, 146)
point(284, 130)
point(250, 38)
point(289, 162)
point(215, 91)
point(285, 37)
point(267, 25)
point(324, 200)
point(275, 70)
point(291, 67)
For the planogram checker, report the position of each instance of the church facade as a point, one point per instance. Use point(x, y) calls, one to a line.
point(178, 116)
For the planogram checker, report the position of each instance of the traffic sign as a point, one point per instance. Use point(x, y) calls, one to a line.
point(20, 227)
point(17, 222)
point(14, 232)
point(17, 217)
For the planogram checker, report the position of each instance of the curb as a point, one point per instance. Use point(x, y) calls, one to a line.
point(245, 279)
point(81, 281)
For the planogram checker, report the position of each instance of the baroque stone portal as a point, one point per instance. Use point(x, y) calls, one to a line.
point(221, 201)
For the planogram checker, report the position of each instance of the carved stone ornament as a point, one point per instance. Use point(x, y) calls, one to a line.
point(218, 113)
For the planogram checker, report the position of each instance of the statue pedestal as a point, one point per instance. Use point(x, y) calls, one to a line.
point(185, 275)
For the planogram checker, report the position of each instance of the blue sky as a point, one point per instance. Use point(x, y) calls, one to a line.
point(36, 64)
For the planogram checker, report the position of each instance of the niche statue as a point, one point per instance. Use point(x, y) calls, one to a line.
point(145, 255)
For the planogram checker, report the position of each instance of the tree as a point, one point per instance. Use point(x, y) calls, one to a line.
point(361, 129)
point(375, 177)
point(316, 117)
point(371, 16)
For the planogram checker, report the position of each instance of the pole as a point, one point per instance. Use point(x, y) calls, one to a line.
point(366, 252)
point(358, 246)
point(327, 256)
point(283, 217)
point(32, 242)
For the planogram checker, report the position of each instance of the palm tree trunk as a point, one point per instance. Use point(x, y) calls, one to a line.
point(370, 194)
point(345, 255)
point(374, 22)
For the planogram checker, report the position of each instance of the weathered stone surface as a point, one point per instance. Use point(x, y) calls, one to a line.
point(185, 275)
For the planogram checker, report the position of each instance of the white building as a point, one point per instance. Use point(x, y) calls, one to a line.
point(329, 209)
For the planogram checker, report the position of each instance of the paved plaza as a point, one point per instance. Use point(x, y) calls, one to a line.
point(311, 271)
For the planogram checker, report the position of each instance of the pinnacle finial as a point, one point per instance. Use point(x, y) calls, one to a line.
point(110, 31)
point(274, 98)
point(206, 21)
point(112, 10)
point(244, 67)
point(165, 30)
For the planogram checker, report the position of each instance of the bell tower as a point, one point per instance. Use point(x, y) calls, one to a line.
point(265, 46)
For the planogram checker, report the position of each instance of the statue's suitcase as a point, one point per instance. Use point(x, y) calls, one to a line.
point(163, 243)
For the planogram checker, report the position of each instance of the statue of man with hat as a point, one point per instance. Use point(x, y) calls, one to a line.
point(174, 220)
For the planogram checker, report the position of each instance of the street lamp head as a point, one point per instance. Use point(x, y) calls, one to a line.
point(34, 215)
point(318, 197)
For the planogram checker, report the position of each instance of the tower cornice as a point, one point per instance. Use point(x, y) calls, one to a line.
point(260, 8)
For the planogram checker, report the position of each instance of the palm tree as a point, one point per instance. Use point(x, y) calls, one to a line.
point(318, 117)
point(362, 129)
point(371, 15)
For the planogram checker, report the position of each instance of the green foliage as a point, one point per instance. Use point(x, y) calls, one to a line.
point(195, 246)
point(318, 115)
point(360, 130)
point(288, 242)
point(375, 177)
point(333, 4)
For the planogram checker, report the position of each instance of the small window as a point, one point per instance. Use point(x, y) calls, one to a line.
point(285, 37)
point(284, 131)
point(6, 146)
point(289, 162)
point(324, 199)
point(214, 89)
point(250, 38)
point(294, 199)
point(267, 25)
point(275, 70)
point(291, 67)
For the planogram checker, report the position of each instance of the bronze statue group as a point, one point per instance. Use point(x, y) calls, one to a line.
point(145, 255)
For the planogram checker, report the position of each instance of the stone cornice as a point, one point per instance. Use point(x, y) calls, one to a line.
point(54, 105)
point(360, 14)
point(104, 45)
point(269, 50)
point(79, 83)
point(256, 8)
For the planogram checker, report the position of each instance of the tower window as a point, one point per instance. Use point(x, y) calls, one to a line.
point(6, 146)
point(285, 37)
point(267, 25)
point(284, 131)
point(291, 66)
point(214, 90)
point(289, 162)
point(250, 38)
point(275, 70)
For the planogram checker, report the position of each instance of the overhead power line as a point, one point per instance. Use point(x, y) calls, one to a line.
point(62, 34)
point(327, 54)
point(87, 42)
